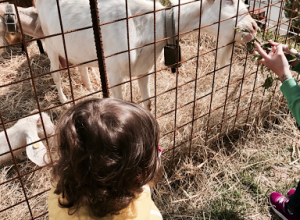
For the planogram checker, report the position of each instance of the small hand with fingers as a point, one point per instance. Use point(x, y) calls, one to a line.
point(275, 60)
point(285, 48)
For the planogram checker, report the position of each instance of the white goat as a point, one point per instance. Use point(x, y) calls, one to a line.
point(26, 131)
point(80, 45)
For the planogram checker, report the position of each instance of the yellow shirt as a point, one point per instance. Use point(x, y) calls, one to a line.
point(143, 208)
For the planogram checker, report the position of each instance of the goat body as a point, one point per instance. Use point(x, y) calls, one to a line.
point(81, 48)
point(26, 131)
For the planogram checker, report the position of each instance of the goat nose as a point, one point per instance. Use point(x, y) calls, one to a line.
point(254, 26)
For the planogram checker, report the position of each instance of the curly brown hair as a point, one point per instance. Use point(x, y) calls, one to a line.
point(108, 149)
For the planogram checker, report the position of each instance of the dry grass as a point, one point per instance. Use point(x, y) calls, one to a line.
point(229, 178)
point(233, 177)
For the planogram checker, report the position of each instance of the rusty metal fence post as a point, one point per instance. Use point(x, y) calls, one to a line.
point(99, 46)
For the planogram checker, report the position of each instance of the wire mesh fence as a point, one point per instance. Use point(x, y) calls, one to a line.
point(215, 90)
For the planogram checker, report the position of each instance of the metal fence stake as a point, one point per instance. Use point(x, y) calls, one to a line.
point(99, 46)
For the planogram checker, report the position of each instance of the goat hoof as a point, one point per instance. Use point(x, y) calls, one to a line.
point(63, 99)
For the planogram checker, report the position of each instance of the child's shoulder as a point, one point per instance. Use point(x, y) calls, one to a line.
point(141, 208)
point(56, 212)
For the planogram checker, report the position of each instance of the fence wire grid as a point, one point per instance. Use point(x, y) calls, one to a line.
point(195, 106)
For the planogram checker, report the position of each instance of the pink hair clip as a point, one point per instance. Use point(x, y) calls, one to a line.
point(160, 151)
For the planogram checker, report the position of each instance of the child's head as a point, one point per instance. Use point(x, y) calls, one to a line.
point(108, 149)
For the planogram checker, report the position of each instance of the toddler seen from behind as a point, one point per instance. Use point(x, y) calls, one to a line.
point(108, 159)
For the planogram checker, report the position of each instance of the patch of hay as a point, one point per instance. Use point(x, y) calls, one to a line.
point(233, 177)
point(208, 165)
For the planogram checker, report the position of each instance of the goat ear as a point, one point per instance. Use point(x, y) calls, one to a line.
point(36, 152)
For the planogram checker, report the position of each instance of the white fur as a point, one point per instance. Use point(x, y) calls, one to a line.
point(80, 45)
point(25, 131)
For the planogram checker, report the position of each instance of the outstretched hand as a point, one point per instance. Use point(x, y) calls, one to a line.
point(285, 48)
point(275, 60)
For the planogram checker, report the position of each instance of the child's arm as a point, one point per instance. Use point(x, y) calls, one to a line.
point(277, 62)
